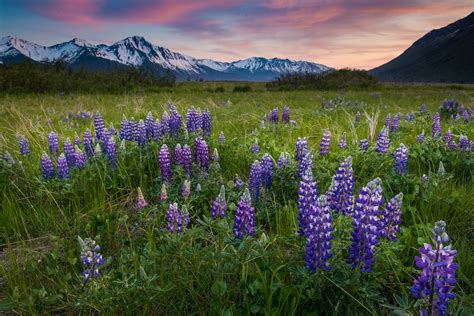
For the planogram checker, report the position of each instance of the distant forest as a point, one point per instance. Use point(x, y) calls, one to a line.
point(58, 77)
point(339, 79)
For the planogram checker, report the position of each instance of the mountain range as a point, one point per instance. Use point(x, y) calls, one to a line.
point(136, 51)
point(442, 55)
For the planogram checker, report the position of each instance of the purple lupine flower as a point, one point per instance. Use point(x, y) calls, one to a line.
point(105, 136)
point(366, 225)
point(267, 171)
point(63, 168)
point(438, 274)
point(178, 155)
point(301, 148)
point(273, 116)
point(341, 194)
point(357, 117)
point(436, 132)
point(305, 163)
point(24, 146)
point(88, 143)
point(141, 135)
point(165, 124)
point(163, 193)
point(99, 125)
point(69, 152)
point(391, 218)
point(77, 140)
point(175, 219)
point(165, 163)
point(323, 104)
point(149, 121)
point(186, 189)
point(133, 129)
point(424, 179)
point(318, 232)
point(156, 130)
point(307, 194)
point(364, 144)
point(238, 183)
point(202, 153)
point(53, 144)
point(244, 220)
point(47, 166)
point(193, 120)
point(206, 123)
point(255, 180)
point(141, 202)
point(448, 136)
point(401, 159)
point(325, 142)
point(348, 104)
point(221, 138)
point(255, 147)
point(396, 121)
point(91, 259)
point(423, 108)
point(112, 153)
point(420, 138)
point(80, 158)
point(343, 141)
point(452, 145)
point(215, 155)
point(464, 142)
point(284, 160)
point(467, 117)
point(219, 206)
point(285, 116)
point(388, 121)
point(112, 129)
point(187, 159)
point(383, 141)
point(176, 122)
point(471, 144)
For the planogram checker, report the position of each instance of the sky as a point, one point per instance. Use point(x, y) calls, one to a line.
point(352, 33)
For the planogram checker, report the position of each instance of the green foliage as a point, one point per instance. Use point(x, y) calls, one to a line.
point(245, 88)
point(57, 77)
point(334, 80)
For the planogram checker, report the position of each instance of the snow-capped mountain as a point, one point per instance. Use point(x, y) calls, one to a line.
point(137, 52)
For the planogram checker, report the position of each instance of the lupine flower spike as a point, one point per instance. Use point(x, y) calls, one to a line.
point(383, 141)
point(186, 189)
point(401, 160)
point(391, 218)
point(91, 259)
point(244, 221)
point(341, 194)
point(47, 166)
point(24, 146)
point(165, 163)
point(141, 202)
point(63, 168)
point(219, 206)
point(175, 219)
point(307, 195)
point(325, 142)
point(343, 141)
point(255, 180)
point(163, 193)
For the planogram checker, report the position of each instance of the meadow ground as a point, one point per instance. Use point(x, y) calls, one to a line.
point(204, 269)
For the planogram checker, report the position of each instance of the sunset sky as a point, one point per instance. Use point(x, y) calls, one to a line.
point(352, 33)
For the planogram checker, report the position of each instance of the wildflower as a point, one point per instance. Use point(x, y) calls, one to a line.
point(206, 123)
point(255, 180)
point(420, 138)
point(198, 187)
point(88, 143)
point(305, 163)
point(341, 195)
point(215, 155)
point(24, 146)
point(219, 206)
point(423, 108)
point(357, 119)
point(318, 231)
point(79, 158)
point(53, 144)
point(163, 193)
point(237, 182)
point(267, 171)
point(255, 147)
point(186, 189)
point(141, 133)
point(436, 126)
point(112, 129)
point(141, 202)
point(175, 219)
point(221, 138)
point(366, 225)
point(301, 148)
point(133, 129)
point(396, 120)
point(388, 121)
point(391, 218)
point(105, 139)
point(91, 258)
point(364, 144)
point(187, 159)
point(156, 130)
point(178, 155)
point(441, 170)
point(463, 142)
point(448, 137)
point(175, 122)
point(149, 121)
point(284, 160)
point(47, 166)
point(193, 120)
point(69, 152)
point(273, 116)
point(99, 125)
point(424, 179)
point(165, 163)
point(307, 194)
point(343, 141)
point(325, 142)
point(244, 221)
point(63, 168)
point(401, 160)
point(202, 153)
point(285, 116)
point(165, 123)
point(383, 142)
point(97, 150)
point(438, 273)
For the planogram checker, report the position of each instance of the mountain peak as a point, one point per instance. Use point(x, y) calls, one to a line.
point(80, 42)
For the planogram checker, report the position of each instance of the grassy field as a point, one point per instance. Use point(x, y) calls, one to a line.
point(205, 270)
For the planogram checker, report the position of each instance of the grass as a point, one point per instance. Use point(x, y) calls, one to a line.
point(205, 270)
